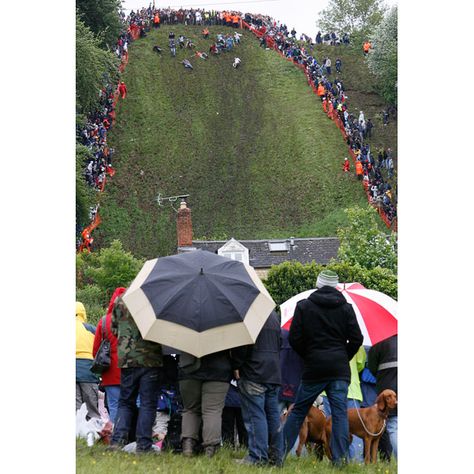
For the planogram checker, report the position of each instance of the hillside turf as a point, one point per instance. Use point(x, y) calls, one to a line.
point(251, 146)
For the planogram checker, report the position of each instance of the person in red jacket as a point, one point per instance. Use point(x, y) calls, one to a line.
point(346, 165)
point(111, 377)
point(123, 90)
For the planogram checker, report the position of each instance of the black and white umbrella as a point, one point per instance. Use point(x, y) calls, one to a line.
point(198, 302)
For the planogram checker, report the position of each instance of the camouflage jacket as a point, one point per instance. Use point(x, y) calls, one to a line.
point(132, 349)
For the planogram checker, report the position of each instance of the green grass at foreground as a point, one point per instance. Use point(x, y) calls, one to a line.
point(251, 146)
point(98, 460)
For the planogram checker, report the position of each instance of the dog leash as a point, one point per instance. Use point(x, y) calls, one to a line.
point(365, 428)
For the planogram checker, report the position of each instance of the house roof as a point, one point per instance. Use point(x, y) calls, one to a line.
point(304, 250)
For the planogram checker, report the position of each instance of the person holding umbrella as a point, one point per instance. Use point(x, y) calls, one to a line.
point(325, 333)
point(203, 384)
point(141, 364)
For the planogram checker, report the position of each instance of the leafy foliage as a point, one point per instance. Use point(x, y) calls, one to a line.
point(356, 17)
point(93, 64)
point(103, 19)
point(362, 243)
point(114, 267)
point(99, 273)
point(290, 278)
point(382, 59)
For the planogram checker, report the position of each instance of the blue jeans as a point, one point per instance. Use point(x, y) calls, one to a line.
point(308, 392)
point(356, 448)
point(113, 394)
point(262, 421)
point(392, 429)
point(134, 381)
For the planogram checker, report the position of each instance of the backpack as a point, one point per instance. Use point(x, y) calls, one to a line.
point(102, 358)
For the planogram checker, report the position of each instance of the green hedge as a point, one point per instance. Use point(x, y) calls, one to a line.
point(290, 278)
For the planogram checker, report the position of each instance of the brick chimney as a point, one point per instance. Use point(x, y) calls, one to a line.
point(184, 226)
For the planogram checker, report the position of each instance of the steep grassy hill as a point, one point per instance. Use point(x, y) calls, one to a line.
point(251, 146)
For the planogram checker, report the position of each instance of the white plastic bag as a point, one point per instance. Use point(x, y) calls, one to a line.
point(88, 429)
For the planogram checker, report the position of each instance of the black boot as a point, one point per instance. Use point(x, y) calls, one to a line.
point(188, 447)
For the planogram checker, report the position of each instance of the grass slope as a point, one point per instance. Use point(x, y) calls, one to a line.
point(251, 146)
point(97, 460)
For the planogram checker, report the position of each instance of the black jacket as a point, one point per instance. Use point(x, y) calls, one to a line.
point(260, 362)
point(325, 333)
point(383, 352)
point(214, 367)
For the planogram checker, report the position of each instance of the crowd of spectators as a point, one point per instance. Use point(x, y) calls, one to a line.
point(377, 165)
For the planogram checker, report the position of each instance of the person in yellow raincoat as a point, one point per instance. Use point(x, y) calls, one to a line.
point(87, 388)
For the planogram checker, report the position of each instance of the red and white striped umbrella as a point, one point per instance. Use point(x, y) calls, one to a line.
point(376, 312)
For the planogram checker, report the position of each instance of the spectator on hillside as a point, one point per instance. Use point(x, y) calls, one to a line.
point(318, 38)
point(366, 47)
point(122, 90)
point(346, 165)
point(359, 170)
point(361, 117)
point(385, 117)
point(327, 65)
point(369, 127)
point(338, 65)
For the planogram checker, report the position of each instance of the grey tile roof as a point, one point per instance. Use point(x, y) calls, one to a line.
point(305, 250)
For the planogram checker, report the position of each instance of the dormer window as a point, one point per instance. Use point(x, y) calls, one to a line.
point(235, 251)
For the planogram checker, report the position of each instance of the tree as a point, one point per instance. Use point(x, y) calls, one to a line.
point(382, 59)
point(112, 268)
point(103, 19)
point(356, 17)
point(93, 66)
point(362, 243)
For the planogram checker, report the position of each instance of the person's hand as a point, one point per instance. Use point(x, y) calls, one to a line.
point(236, 374)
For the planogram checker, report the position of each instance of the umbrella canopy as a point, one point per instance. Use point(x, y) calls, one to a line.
point(198, 302)
point(376, 312)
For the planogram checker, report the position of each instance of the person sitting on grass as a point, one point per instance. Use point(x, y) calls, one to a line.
point(213, 49)
point(187, 64)
point(157, 49)
point(205, 33)
point(202, 55)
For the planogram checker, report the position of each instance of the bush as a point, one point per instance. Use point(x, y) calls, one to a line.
point(290, 278)
point(111, 268)
point(92, 297)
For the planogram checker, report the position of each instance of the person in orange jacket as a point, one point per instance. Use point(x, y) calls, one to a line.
point(359, 170)
point(321, 90)
point(205, 33)
point(346, 165)
point(122, 90)
point(156, 20)
point(366, 47)
point(325, 105)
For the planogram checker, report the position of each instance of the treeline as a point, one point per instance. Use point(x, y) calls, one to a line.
point(368, 20)
point(98, 26)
